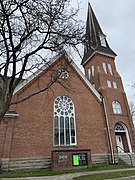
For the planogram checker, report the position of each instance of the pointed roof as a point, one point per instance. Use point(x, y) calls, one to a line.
point(76, 68)
point(95, 39)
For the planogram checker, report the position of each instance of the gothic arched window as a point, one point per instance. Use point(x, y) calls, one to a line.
point(116, 107)
point(64, 121)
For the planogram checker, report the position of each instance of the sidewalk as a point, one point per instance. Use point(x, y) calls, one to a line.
point(69, 176)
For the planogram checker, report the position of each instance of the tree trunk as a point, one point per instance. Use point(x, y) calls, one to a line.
point(5, 97)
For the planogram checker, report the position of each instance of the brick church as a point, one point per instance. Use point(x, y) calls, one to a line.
point(81, 113)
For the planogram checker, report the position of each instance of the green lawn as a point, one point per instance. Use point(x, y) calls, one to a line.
point(106, 176)
point(50, 173)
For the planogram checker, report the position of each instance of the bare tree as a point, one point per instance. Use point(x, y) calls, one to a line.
point(132, 109)
point(30, 31)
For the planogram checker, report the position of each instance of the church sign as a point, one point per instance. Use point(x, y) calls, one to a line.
point(70, 159)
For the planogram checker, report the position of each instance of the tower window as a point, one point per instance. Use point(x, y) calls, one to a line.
point(114, 84)
point(110, 69)
point(64, 121)
point(92, 68)
point(109, 84)
point(102, 40)
point(89, 73)
point(104, 67)
point(116, 107)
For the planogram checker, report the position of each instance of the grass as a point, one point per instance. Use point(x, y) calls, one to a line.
point(106, 175)
point(51, 173)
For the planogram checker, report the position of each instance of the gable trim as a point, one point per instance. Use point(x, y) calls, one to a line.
point(86, 80)
point(34, 75)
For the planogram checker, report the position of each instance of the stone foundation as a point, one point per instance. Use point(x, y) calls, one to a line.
point(35, 163)
point(25, 164)
point(103, 159)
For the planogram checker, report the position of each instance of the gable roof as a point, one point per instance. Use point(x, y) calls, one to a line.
point(72, 63)
point(35, 74)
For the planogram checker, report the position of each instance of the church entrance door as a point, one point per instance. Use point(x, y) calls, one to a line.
point(119, 144)
point(122, 138)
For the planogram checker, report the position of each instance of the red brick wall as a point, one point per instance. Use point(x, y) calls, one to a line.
point(111, 94)
point(33, 129)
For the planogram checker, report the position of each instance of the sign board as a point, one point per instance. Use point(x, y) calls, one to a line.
point(80, 159)
point(70, 159)
point(75, 160)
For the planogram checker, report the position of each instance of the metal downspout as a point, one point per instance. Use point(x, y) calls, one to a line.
point(108, 130)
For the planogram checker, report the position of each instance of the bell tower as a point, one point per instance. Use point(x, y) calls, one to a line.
point(100, 70)
point(98, 56)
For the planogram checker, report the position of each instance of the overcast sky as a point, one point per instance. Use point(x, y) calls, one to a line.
point(117, 20)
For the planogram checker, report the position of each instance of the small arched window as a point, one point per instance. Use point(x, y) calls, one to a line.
point(104, 67)
point(114, 84)
point(109, 84)
point(110, 69)
point(116, 107)
point(64, 121)
point(102, 40)
point(119, 127)
point(92, 70)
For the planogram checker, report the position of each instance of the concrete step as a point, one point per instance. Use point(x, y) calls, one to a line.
point(127, 159)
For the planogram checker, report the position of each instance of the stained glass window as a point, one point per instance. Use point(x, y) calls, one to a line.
point(64, 121)
point(119, 127)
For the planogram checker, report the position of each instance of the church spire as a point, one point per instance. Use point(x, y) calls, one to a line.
point(95, 39)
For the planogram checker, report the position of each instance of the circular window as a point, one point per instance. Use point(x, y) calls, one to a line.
point(63, 74)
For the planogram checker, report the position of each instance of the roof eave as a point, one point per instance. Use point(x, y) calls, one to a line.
point(26, 81)
point(85, 80)
point(19, 87)
point(98, 52)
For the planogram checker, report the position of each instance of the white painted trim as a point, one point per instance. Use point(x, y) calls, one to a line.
point(128, 140)
point(11, 115)
point(86, 81)
point(127, 136)
point(31, 77)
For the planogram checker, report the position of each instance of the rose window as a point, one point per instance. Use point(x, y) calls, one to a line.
point(64, 106)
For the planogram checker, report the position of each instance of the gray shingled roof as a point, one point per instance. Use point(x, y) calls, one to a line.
point(93, 31)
